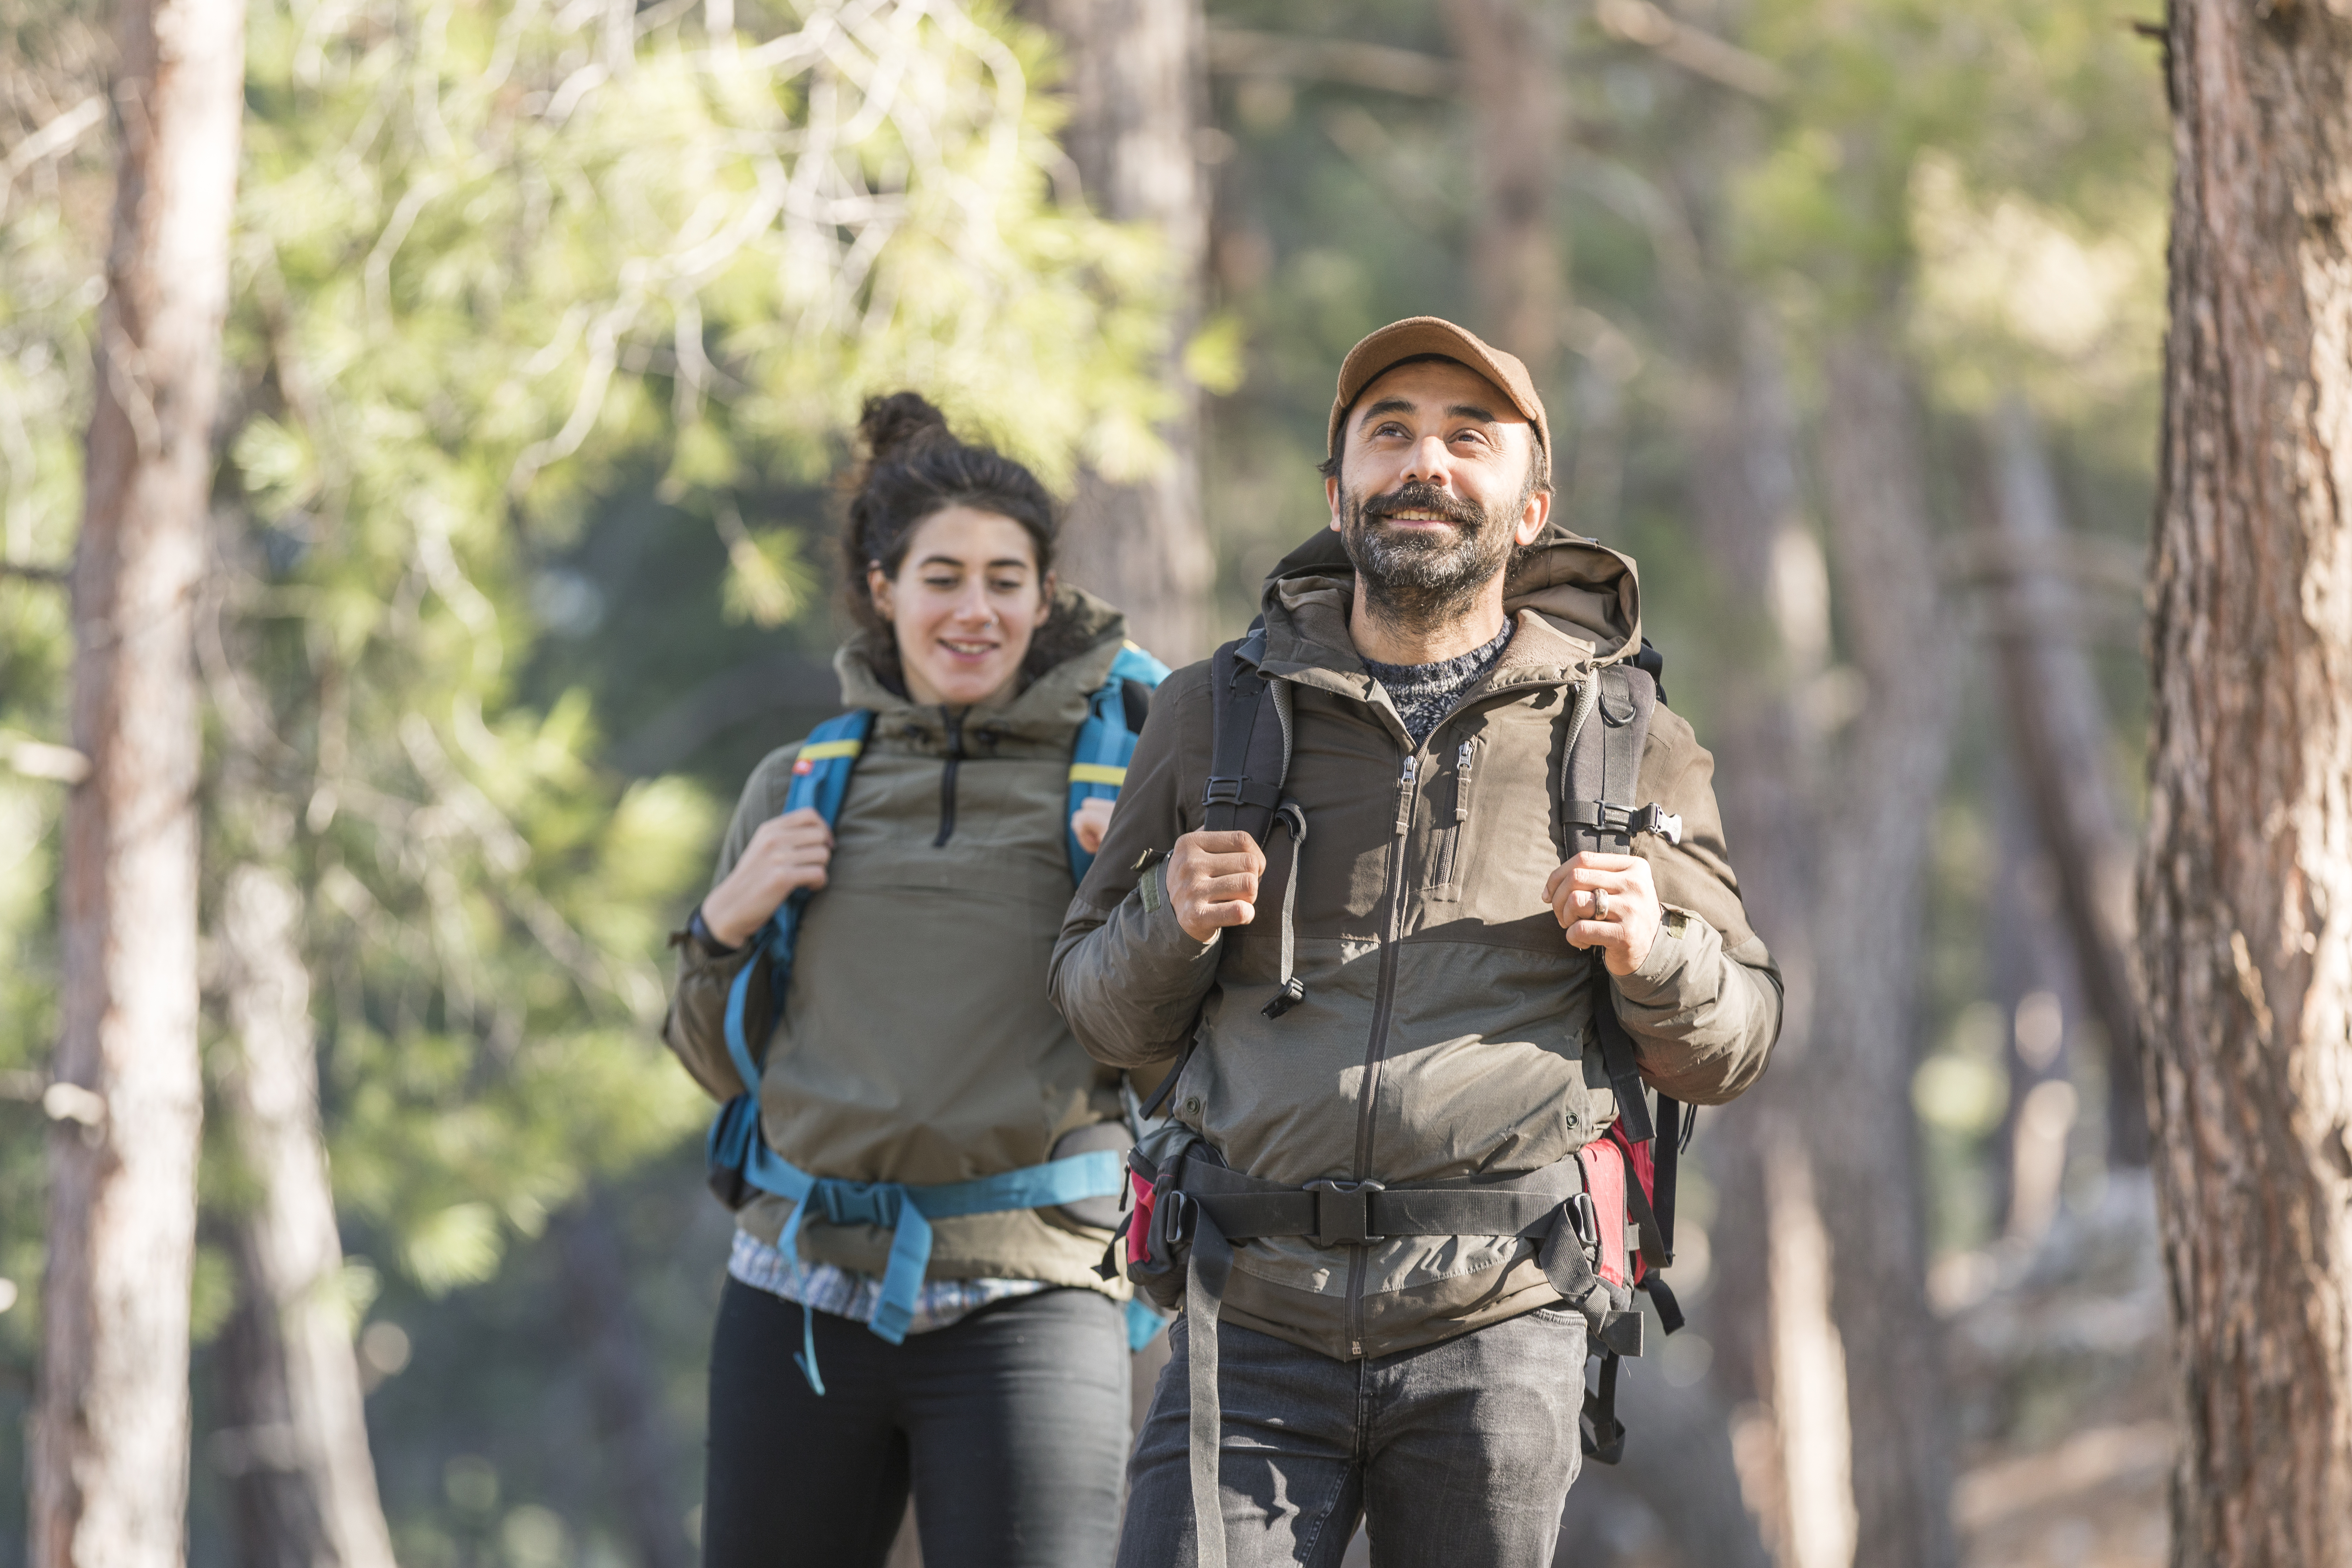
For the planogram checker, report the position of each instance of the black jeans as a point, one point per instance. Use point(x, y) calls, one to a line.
point(1010, 1426)
point(1457, 1455)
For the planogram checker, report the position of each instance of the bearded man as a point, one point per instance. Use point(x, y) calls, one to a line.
point(1390, 1070)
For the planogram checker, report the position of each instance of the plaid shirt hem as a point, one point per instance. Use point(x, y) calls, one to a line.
point(827, 1289)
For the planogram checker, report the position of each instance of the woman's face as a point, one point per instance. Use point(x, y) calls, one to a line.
point(965, 602)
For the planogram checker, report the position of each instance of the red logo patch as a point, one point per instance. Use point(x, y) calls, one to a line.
point(802, 765)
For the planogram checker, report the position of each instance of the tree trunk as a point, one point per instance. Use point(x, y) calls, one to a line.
point(1873, 862)
point(623, 1386)
point(2058, 731)
point(302, 1483)
point(2245, 891)
point(1138, 90)
point(1512, 83)
point(109, 1466)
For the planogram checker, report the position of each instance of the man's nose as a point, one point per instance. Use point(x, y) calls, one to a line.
point(1429, 462)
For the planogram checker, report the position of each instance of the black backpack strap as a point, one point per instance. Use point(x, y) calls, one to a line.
point(1246, 757)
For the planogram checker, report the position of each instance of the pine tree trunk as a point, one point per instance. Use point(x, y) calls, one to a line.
point(302, 1490)
point(2058, 731)
point(1767, 1308)
point(1873, 896)
point(623, 1384)
point(1138, 90)
point(1512, 86)
point(2245, 892)
point(110, 1469)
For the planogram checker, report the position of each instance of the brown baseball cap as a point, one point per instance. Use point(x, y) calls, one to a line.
point(1418, 335)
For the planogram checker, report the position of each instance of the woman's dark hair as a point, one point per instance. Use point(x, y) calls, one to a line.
point(915, 467)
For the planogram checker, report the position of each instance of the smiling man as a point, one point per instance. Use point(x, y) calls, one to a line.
point(1497, 904)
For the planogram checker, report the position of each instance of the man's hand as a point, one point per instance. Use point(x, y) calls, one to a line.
point(1609, 902)
point(1090, 822)
point(1213, 881)
point(788, 853)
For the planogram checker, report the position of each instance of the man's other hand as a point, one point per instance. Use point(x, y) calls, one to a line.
point(788, 853)
point(1213, 881)
point(1607, 901)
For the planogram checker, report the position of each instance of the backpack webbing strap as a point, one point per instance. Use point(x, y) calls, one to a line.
point(1106, 739)
point(820, 779)
point(1292, 989)
point(1210, 1266)
point(1245, 730)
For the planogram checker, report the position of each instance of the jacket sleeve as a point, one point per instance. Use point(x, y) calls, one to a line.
point(1125, 974)
point(696, 1027)
point(1704, 1008)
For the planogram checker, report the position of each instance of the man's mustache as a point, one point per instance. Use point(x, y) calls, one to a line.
point(1423, 498)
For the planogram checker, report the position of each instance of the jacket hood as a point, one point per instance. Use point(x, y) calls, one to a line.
point(1085, 631)
point(1579, 586)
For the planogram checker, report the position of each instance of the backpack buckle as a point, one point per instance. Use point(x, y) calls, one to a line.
point(1343, 1213)
point(860, 1203)
point(1653, 818)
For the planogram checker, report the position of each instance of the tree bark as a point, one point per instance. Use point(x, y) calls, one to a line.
point(2245, 890)
point(623, 1388)
point(1511, 81)
point(301, 1482)
point(2058, 731)
point(111, 1448)
point(1873, 857)
point(1138, 90)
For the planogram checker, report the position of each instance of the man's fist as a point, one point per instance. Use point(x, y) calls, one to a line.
point(788, 853)
point(1213, 881)
point(1607, 901)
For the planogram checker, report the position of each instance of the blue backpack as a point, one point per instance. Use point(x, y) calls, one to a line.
point(737, 1151)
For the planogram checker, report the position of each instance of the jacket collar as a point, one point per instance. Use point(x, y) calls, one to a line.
point(1577, 604)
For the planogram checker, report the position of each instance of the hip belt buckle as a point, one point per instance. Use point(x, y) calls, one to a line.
point(860, 1203)
point(1343, 1213)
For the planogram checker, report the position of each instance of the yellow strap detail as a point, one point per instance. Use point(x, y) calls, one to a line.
point(821, 751)
point(1096, 773)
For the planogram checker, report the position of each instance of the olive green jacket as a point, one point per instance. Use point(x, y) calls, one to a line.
point(1447, 1028)
point(917, 1044)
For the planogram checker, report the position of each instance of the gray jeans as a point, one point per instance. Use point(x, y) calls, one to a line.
point(1458, 1454)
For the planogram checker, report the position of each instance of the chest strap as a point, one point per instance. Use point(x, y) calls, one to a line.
point(907, 1212)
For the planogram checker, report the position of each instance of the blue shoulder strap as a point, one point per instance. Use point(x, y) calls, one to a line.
point(820, 779)
point(1098, 765)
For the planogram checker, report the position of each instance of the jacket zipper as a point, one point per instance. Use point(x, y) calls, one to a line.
point(947, 776)
point(1464, 756)
point(1383, 1003)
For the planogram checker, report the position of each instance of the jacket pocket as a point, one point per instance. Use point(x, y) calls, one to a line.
point(1449, 850)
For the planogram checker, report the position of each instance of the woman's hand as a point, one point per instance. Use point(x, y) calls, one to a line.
point(788, 853)
point(1089, 823)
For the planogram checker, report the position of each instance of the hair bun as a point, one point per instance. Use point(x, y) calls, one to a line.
point(902, 420)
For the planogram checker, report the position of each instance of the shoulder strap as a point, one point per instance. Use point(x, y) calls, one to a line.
point(1107, 739)
point(1247, 756)
point(819, 780)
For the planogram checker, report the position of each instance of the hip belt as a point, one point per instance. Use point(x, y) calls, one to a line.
point(905, 1211)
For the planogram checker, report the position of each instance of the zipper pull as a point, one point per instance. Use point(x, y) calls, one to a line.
point(1462, 783)
point(1404, 797)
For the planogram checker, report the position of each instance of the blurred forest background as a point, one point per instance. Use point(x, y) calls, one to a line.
point(547, 324)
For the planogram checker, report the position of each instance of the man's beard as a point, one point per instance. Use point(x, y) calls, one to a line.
point(1417, 580)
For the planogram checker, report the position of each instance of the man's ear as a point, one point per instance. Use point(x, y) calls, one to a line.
point(1331, 499)
point(1533, 521)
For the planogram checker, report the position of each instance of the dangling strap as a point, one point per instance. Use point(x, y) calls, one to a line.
point(1294, 990)
point(1204, 1298)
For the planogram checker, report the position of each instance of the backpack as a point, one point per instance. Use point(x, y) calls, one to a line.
point(1625, 1212)
point(736, 1157)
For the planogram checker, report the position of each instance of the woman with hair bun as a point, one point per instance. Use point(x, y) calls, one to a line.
point(912, 1080)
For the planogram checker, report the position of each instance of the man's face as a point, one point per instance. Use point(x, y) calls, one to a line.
point(1435, 489)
